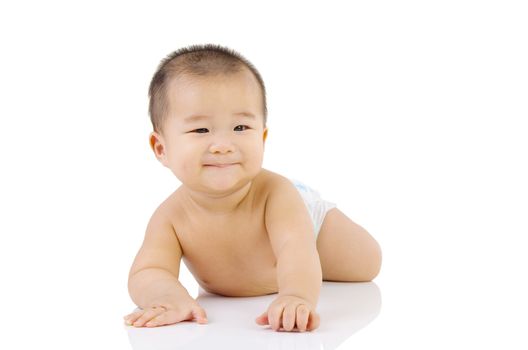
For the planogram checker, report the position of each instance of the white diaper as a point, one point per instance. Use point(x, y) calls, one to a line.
point(317, 207)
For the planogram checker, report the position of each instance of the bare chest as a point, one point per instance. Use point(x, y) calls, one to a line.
point(231, 255)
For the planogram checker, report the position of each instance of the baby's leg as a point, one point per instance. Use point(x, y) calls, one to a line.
point(347, 251)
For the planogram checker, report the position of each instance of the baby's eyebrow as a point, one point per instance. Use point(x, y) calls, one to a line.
point(199, 117)
point(245, 114)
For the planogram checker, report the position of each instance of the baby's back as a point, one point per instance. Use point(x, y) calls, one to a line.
point(228, 254)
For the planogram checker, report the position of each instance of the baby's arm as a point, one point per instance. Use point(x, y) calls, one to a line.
point(299, 271)
point(153, 280)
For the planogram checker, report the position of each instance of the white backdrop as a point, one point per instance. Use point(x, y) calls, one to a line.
point(410, 115)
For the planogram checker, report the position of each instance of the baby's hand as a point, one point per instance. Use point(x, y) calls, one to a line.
point(165, 314)
point(291, 313)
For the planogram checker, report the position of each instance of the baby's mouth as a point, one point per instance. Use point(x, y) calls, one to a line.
point(221, 165)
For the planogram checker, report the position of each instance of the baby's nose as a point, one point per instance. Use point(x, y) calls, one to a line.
point(221, 146)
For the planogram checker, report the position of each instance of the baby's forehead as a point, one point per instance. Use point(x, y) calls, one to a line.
point(238, 86)
point(188, 79)
point(191, 94)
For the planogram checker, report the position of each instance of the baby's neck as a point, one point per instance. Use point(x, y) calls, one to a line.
point(216, 205)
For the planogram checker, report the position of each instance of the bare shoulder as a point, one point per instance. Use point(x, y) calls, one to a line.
point(270, 182)
point(280, 193)
point(170, 209)
point(166, 207)
point(162, 218)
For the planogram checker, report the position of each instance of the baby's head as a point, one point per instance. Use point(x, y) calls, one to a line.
point(208, 111)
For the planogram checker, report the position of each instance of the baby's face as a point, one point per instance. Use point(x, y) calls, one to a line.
point(214, 135)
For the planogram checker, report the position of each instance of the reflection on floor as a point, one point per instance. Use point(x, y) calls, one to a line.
point(344, 308)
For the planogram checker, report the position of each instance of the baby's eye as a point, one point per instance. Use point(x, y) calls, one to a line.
point(200, 131)
point(237, 128)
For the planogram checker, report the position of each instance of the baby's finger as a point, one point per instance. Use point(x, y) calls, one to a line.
point(149, 314)
point(162, 319)
point(135, 313)
point(262, 319)
point(131, 318)
point(288, 317)
point(313, 321)
point(275, 317)
point(303, 312)
point(199, 314)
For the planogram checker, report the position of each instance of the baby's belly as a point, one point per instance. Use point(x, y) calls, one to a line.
point(242, 280)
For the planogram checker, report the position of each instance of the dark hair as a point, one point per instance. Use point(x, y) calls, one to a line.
point(194, 60)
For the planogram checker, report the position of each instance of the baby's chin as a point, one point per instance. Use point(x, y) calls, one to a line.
point(224, 184)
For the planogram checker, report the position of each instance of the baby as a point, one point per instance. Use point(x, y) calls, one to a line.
point(240, 229)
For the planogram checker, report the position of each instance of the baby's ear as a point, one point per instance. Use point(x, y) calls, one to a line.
point(156, 143)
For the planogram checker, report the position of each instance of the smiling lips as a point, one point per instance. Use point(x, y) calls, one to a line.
point(221, 165)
